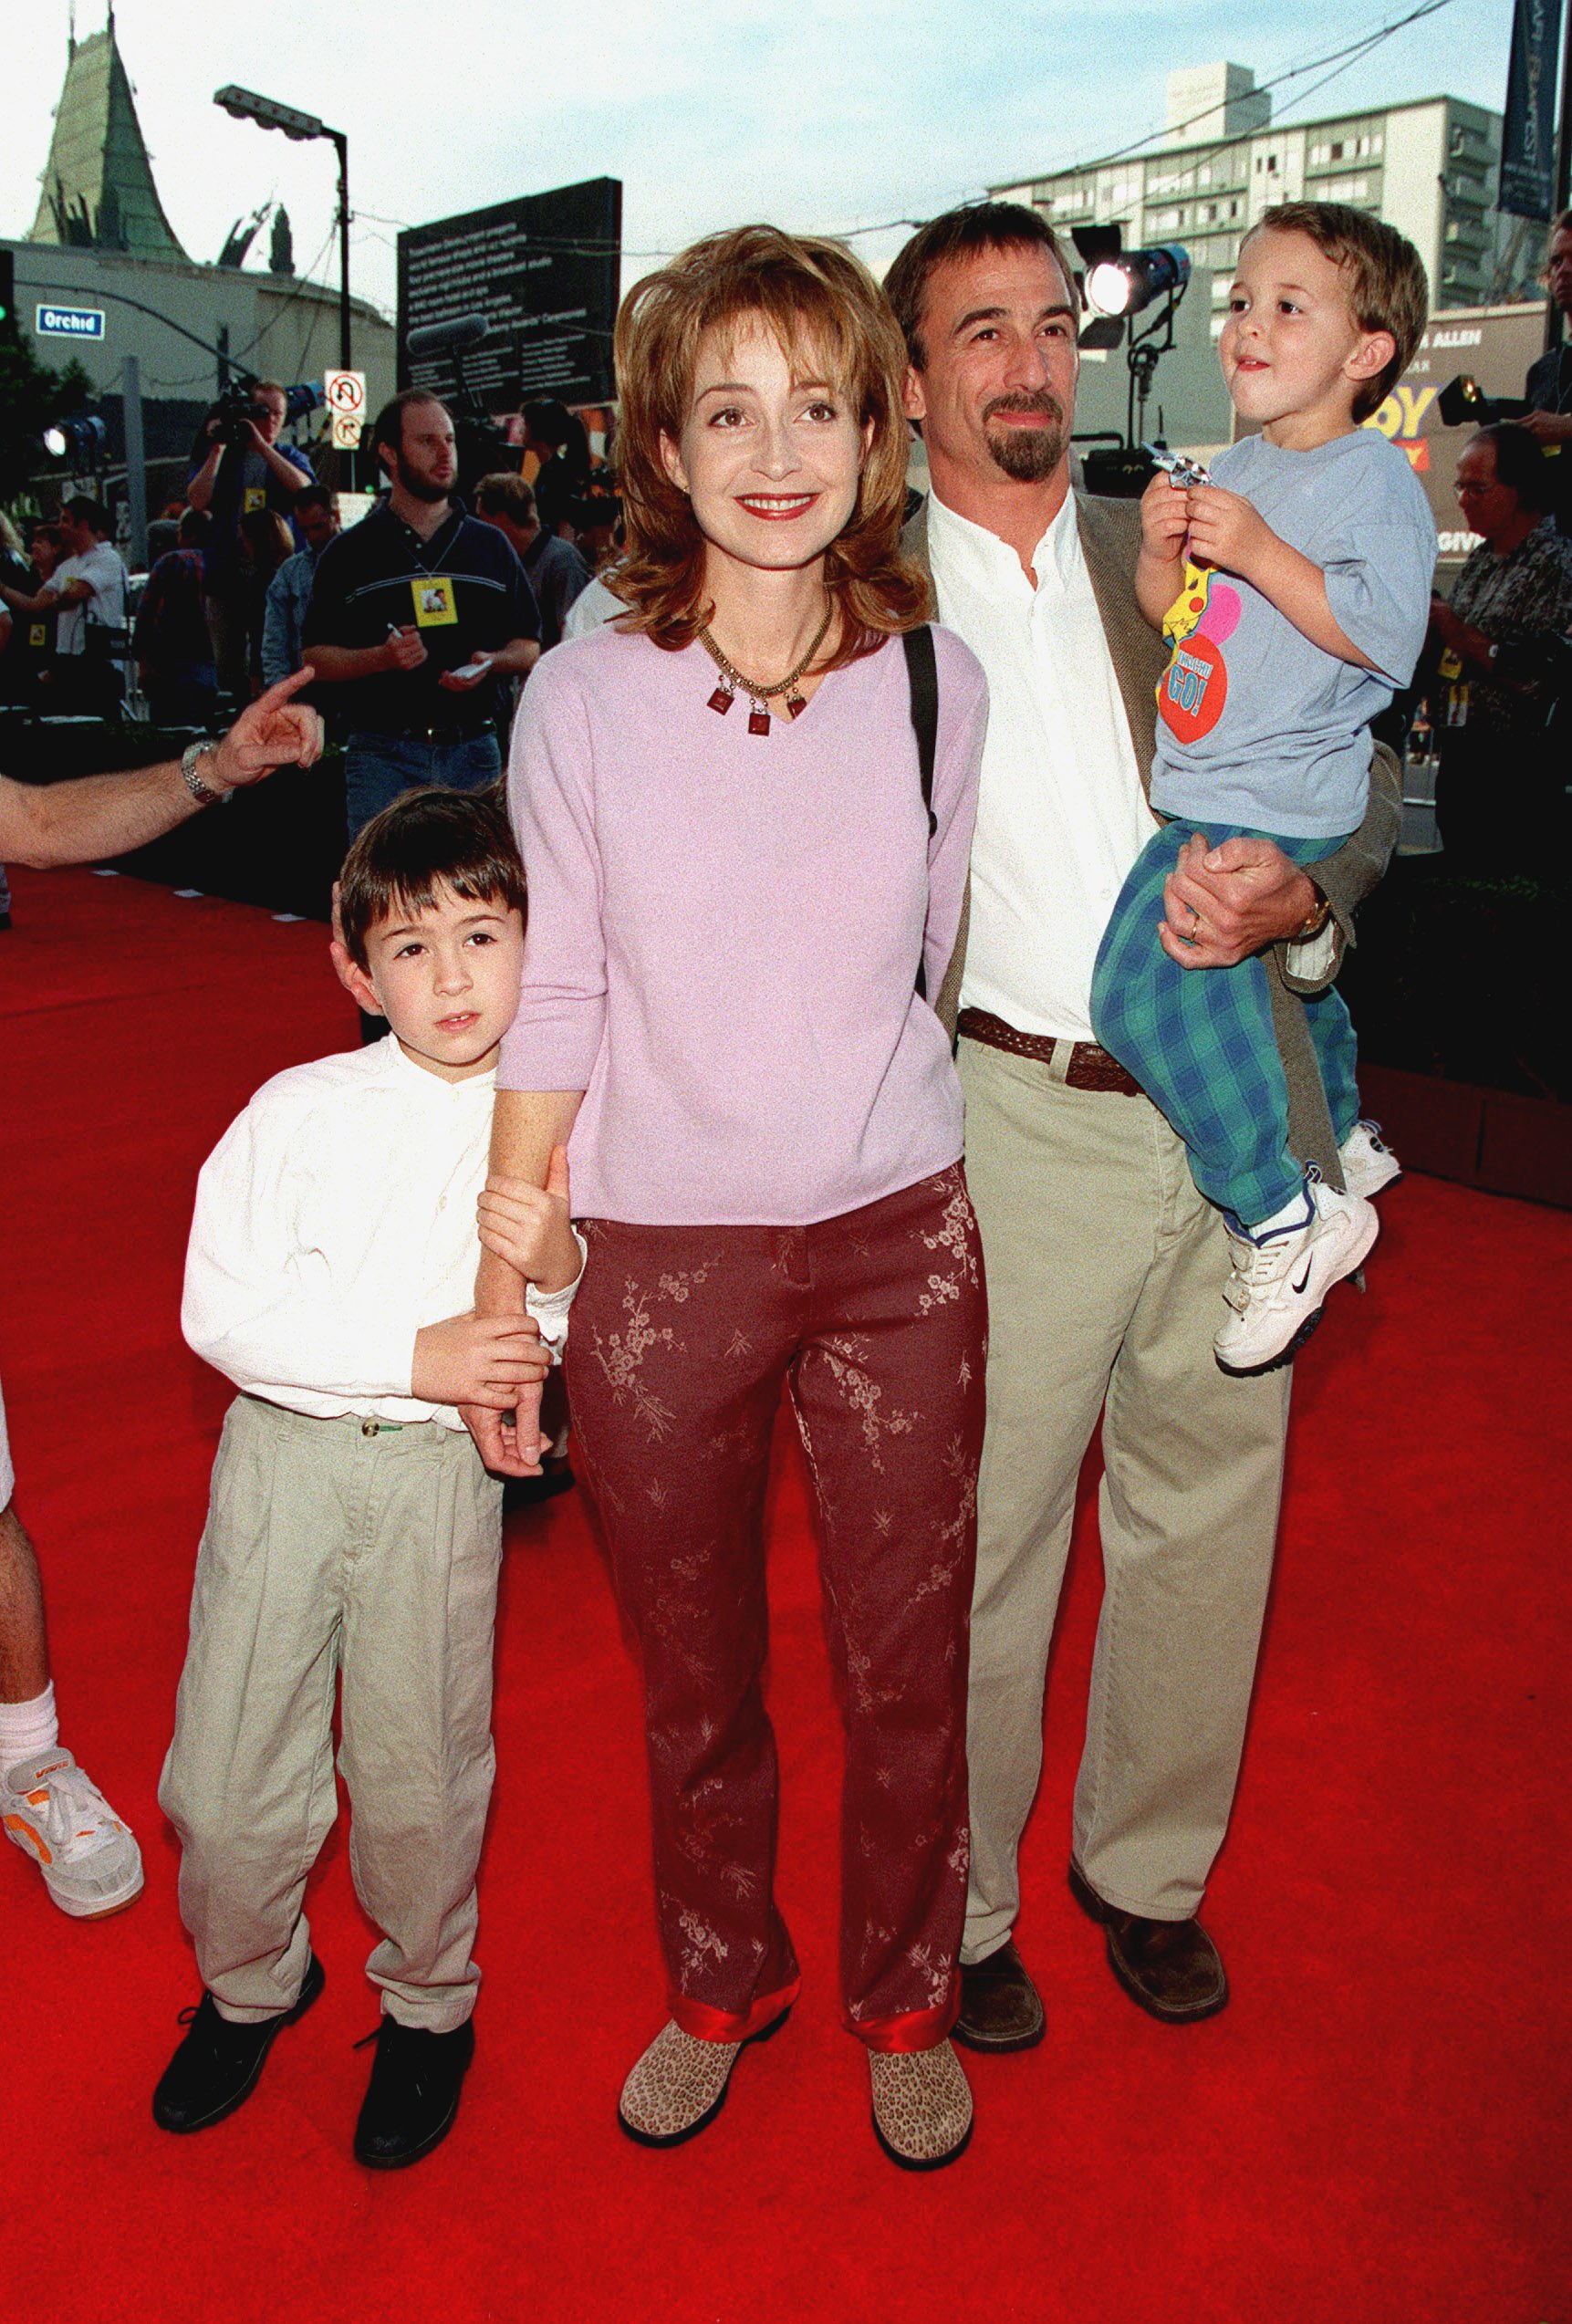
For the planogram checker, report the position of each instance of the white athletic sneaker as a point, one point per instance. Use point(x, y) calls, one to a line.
point(1279, 1282)
point(56, 1815)
point(1368, 1163)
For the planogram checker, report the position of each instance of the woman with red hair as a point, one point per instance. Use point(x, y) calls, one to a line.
point(742, 888)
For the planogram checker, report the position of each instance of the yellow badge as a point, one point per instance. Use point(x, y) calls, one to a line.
point(39, 635)
point(435, 603)
point(1449, 665)
point(256, 497)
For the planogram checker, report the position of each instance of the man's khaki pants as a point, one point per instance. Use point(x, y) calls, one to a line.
point(337, 1548)
point(1105, 1276)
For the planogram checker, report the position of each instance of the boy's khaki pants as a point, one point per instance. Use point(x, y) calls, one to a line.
point(337, 1548)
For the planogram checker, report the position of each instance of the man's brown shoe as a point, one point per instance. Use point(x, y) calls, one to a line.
point(1171, 1967)
point(1001, 2009)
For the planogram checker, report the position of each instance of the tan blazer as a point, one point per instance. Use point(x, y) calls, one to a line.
point(1110, 542)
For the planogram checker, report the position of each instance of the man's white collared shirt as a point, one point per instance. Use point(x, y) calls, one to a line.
point(1062, 816)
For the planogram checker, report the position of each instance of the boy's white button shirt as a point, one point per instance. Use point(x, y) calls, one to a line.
point(333, 1220)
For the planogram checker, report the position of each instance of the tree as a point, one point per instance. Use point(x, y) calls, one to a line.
point(31, 397)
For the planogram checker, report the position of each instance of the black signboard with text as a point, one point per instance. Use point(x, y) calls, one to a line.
point(543, 271)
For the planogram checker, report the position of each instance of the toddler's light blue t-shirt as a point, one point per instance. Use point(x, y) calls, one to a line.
point(1257, 725)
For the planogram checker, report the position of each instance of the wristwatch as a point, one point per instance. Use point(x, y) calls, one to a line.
point(201, 792)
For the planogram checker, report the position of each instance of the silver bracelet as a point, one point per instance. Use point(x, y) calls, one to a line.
point(201, 792)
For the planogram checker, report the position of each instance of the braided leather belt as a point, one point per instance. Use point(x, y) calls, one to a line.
point(1089, 1068)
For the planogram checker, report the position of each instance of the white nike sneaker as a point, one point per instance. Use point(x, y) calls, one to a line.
point(1280, 1281)
point(56, 1815)
point(1368, 1163)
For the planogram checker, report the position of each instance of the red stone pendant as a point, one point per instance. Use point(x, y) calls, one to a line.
point(796, 706)
point(722, 700)
point(758, 722)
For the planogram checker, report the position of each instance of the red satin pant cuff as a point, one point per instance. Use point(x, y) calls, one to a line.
point(696, 2017)
point(913, 2029)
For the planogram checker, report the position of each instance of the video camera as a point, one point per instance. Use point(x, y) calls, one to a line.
point(236, 409)
point(1462, 403)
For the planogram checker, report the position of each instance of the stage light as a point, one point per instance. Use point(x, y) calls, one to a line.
point(85, 439)
point(1124, 285)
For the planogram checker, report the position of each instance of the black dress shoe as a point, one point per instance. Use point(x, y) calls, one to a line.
point(413, 2098)
point(216, 2066)
point(1171, 1967)
point(1001, 2009)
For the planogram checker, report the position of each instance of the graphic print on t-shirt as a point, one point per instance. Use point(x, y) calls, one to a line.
point(1193, 688)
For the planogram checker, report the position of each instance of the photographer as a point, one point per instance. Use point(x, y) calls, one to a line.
point(244, 467)
point(87, 592)
point(1496, 794)
point(416, 612)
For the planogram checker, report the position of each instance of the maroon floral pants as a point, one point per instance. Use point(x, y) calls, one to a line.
point(682, 1337)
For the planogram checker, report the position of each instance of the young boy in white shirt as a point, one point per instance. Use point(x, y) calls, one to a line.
point(353, 1535)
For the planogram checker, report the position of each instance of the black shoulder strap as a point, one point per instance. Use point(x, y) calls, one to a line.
point(923, 676)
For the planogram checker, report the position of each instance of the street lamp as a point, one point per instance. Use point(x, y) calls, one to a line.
point(246, 106)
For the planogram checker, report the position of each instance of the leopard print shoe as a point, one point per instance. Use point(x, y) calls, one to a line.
point(679, 2086)
point(922, 2106)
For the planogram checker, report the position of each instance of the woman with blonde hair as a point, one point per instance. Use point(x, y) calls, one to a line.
point(742, 885)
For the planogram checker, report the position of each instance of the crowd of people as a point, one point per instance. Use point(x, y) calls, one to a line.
point(900, 978)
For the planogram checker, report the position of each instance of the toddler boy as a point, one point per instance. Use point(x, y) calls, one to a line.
point(1295, 587)
point(353, 1534)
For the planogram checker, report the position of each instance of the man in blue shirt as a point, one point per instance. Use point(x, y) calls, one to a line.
point(289, 591)
point(416, 613)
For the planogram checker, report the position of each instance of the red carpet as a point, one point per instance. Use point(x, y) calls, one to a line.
point(1375, 2129)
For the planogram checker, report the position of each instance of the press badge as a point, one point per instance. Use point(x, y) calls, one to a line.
point(256, 497)
point(39, 635)
point(434, 601)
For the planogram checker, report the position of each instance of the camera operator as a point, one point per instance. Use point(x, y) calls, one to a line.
point(86, 591)
point(1496, 793)
point(404, 605)
point(555, 571)
point(244, 467)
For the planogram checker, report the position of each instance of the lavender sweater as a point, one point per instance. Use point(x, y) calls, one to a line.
point(725, 931)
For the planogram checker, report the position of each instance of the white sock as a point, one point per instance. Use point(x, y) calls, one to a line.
point(1298, 1213)
point(28, 1728)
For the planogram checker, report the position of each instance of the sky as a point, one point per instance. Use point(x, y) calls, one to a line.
point(823, 115)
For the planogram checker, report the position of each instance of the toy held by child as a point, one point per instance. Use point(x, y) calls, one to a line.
point(1293, 585)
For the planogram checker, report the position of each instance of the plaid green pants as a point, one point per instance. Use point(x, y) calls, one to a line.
point(1200, 1040)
